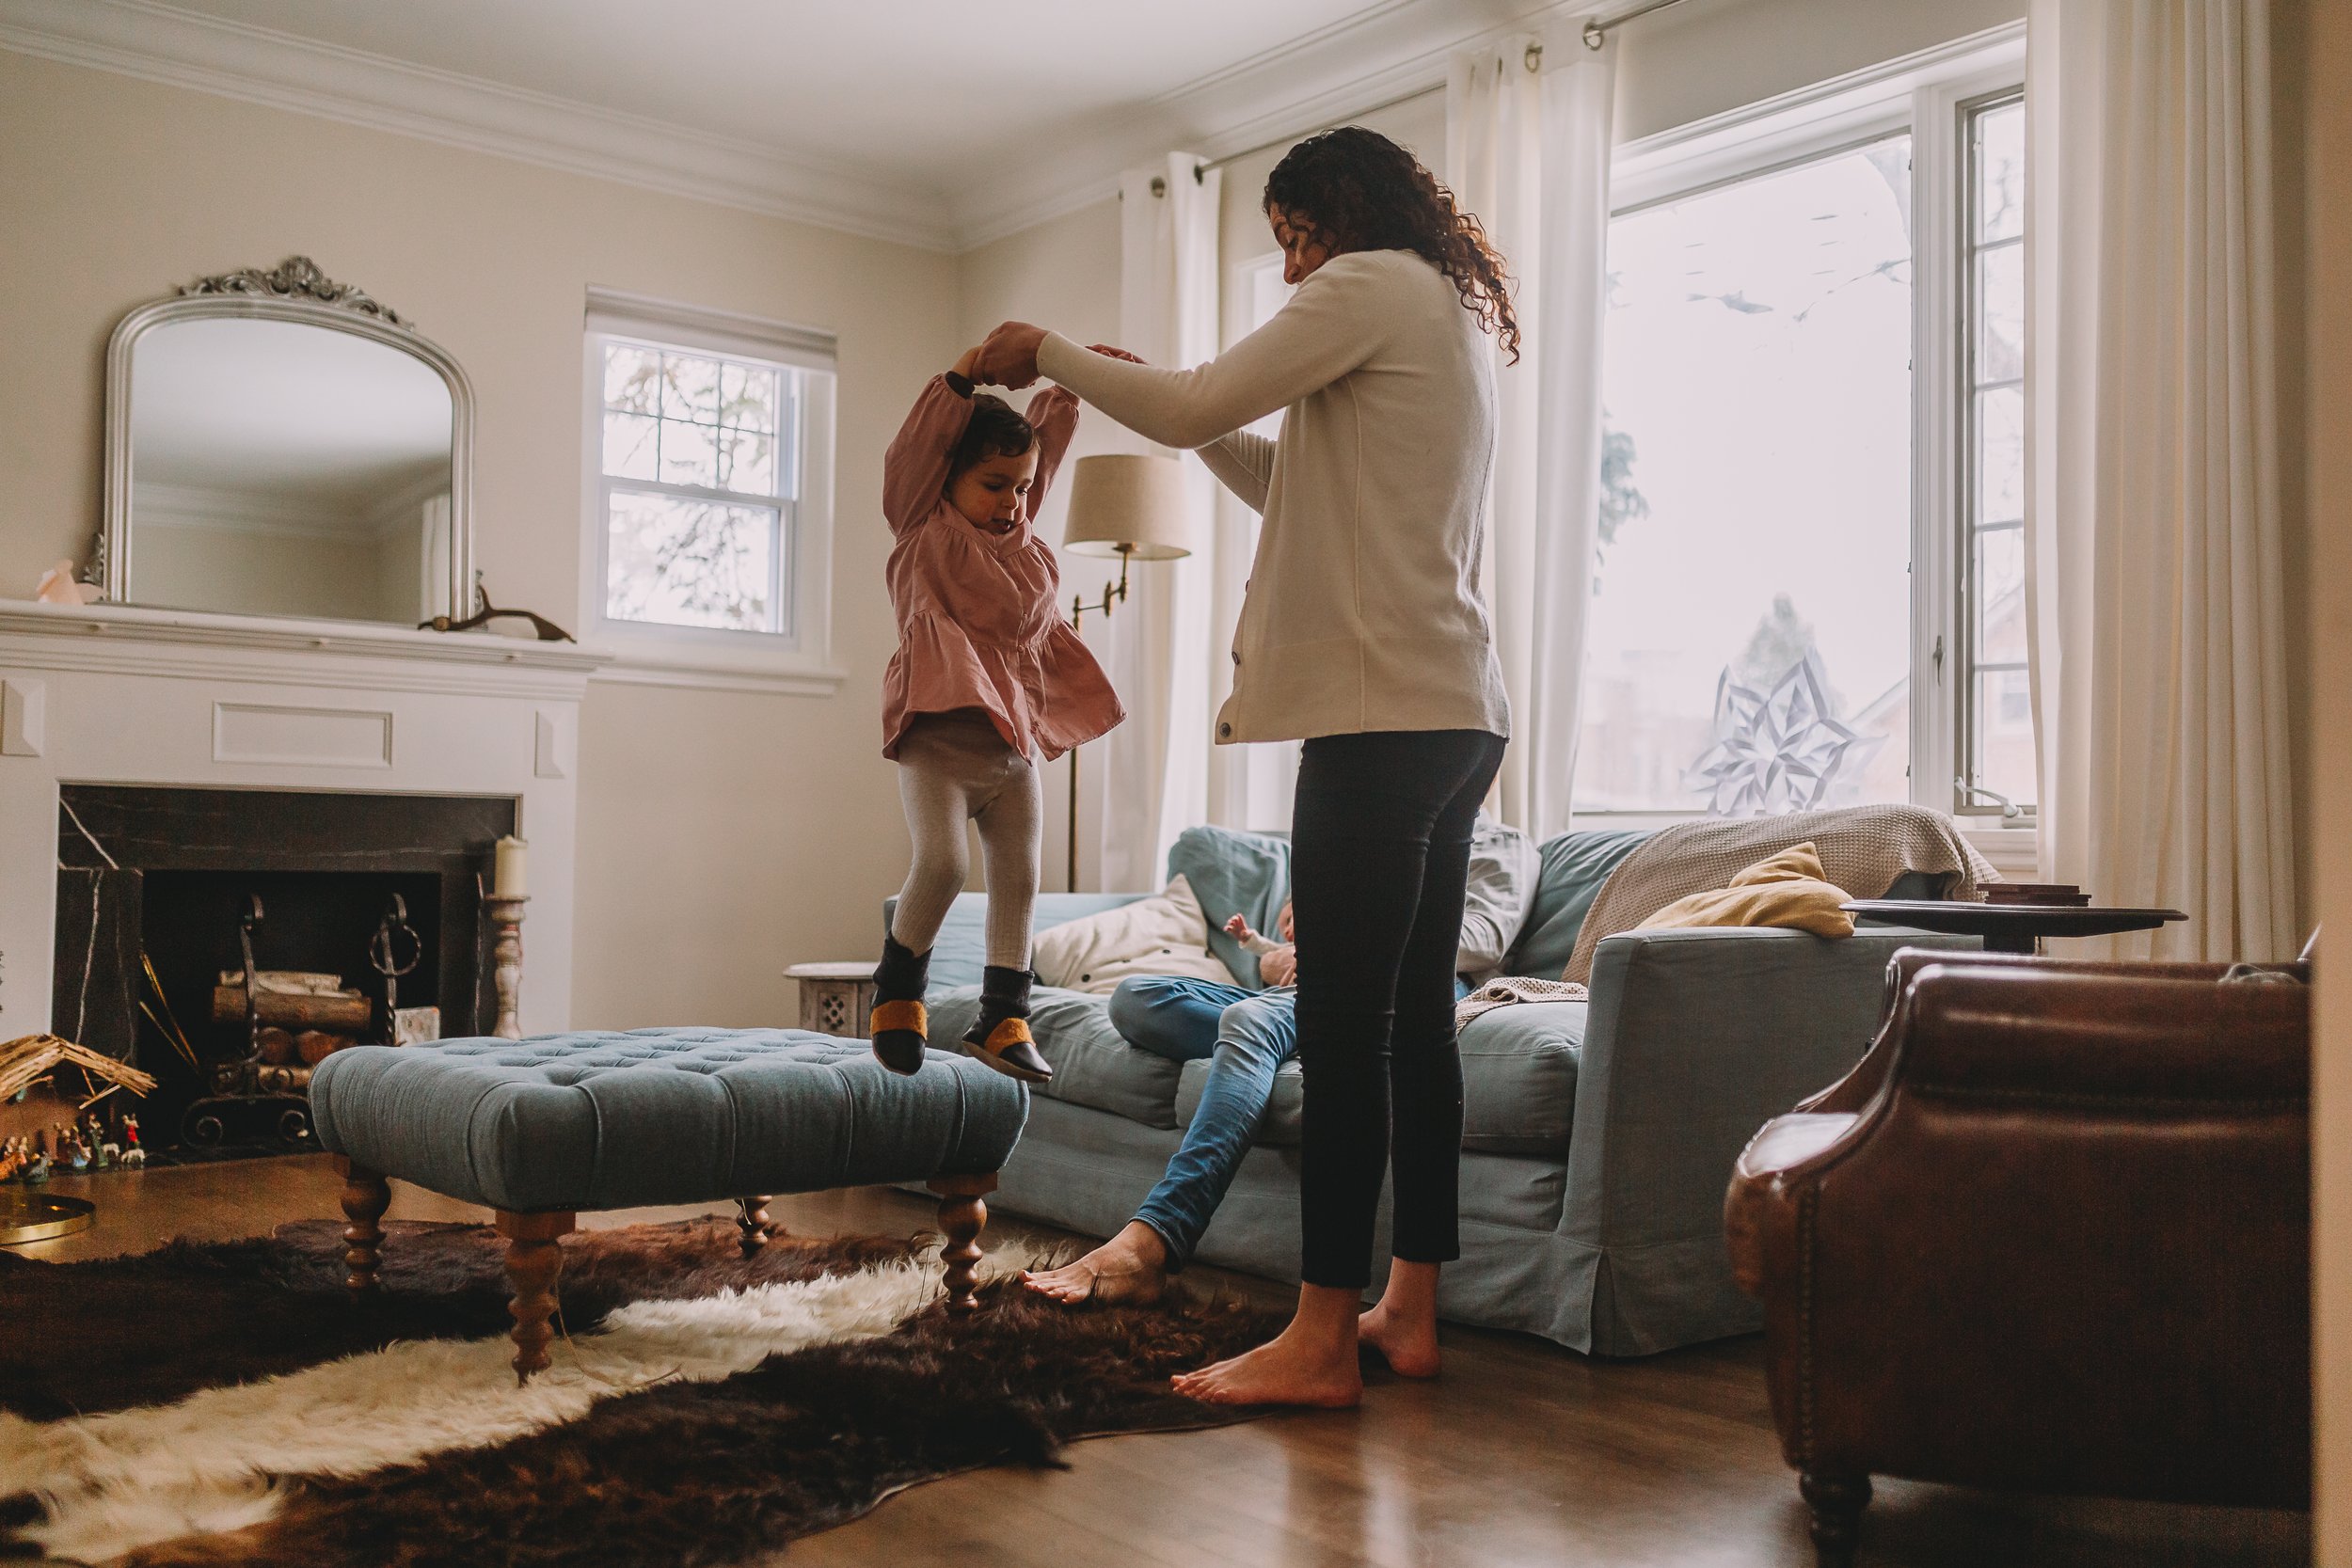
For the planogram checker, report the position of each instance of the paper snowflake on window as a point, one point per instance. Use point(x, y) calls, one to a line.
point(1778, 750)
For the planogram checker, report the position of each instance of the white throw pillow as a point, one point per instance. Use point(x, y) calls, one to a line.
point(1163, 934)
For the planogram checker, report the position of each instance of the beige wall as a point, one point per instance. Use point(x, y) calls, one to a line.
point(720, 836)
point(2323, 319)
point(1704, 57)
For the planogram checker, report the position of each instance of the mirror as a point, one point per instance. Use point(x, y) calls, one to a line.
point(282, 445)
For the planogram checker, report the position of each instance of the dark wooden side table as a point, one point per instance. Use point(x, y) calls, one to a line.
point(2009, 927)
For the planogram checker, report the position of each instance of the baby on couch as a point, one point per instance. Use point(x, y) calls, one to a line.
point(1246, 1037)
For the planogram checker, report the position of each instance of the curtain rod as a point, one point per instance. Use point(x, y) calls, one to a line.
point(1595, 34)
point(1199, 169)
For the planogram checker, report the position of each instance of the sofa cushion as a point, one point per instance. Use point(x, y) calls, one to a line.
point(1574, 867)
point(1093, 1065)
point(1235, 873)
point(1163, 934)
point(961, 950)
point(1518, 1082)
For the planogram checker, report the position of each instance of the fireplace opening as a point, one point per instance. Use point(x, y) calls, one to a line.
point(161, 889)
point(198, 1040)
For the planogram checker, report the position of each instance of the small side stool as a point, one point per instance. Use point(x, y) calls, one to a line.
point(835, 999)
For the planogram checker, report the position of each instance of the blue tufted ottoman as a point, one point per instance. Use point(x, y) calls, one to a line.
point(542, 1128)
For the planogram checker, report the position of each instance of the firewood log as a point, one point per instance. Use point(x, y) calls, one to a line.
point(347, 1013)
point(315, 1045)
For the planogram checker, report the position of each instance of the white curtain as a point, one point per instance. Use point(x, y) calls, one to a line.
point(1164, 647)
point(1526, 150)
point(2154, 580)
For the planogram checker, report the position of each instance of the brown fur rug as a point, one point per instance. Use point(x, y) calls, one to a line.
point(680, 1474)
point(117, 1332)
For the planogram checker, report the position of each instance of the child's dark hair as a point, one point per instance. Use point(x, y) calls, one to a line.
point(1362, 192)
point(995, 431)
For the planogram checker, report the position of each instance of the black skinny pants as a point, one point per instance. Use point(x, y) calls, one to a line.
point(1380, 842)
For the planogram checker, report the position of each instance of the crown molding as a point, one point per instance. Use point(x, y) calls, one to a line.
point(1387, 50)
point(158, 42)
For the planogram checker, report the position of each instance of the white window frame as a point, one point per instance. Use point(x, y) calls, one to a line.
point(1926, 95)
point(797, 661)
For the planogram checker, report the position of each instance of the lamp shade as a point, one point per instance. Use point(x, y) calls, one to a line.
point(1131, 505)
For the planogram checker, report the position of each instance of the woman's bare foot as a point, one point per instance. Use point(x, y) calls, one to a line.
point(1410, 1349)
point(1403, 1328)
point(1130, 1269)
point(1313, 1362)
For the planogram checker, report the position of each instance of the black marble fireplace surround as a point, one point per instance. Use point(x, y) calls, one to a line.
point(184, 863)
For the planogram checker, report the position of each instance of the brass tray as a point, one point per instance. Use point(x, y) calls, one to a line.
point(27, 1216)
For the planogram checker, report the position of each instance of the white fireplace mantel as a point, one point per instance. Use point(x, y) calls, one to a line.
point(115, 694)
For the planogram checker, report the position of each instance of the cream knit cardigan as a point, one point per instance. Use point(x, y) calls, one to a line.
point(1363, 610)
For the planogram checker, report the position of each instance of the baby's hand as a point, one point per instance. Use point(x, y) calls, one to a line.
point(965, 366)
point(1238, 929)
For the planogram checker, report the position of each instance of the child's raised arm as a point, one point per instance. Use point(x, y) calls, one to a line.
point(1054, 414)
point(915, 470)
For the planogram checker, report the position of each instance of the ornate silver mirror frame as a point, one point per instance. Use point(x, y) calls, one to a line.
point(295, 290)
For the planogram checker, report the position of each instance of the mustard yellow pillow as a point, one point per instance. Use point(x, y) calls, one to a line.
point(1788, 889)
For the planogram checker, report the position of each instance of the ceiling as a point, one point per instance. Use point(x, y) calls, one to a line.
point(938, 121)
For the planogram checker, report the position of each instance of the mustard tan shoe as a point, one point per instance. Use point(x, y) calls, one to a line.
point(1001, 1037)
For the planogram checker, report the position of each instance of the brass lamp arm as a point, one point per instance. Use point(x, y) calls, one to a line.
point(1112, 593)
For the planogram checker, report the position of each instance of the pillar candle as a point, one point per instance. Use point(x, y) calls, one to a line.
point(506, 877)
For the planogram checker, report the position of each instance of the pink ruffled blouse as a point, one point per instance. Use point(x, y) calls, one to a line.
point(980, 619)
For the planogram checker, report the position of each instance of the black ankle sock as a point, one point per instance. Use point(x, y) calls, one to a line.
point(903, 975)
point(1004, 993)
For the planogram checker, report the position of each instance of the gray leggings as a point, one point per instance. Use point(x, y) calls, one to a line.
point(954, 767)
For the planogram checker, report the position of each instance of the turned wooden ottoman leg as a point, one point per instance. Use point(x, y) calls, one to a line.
point(534, 1260)
point(366, 1195)
point(961, 1214)
point(752, 1223)
point(1837, 1503)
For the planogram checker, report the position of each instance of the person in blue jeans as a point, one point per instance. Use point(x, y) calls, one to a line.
point(1248, 1036)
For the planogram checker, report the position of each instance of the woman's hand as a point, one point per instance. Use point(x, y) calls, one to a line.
point(1008, 358)
point(1110, 353)
point(1280, 967)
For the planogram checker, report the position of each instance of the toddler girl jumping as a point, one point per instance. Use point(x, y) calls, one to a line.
point(988, 680)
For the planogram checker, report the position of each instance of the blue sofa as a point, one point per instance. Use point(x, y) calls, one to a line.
point(1599, 1136)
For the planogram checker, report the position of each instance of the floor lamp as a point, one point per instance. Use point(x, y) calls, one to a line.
point(1132, 507)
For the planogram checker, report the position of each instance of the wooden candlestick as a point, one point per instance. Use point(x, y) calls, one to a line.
point(506, 962)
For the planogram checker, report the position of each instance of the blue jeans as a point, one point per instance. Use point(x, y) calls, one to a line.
point(1245, 1036)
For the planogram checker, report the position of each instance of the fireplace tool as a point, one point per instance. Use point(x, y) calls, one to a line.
point(238, 1096)
point(384, 952)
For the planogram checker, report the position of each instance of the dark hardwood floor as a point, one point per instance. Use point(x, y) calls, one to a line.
point(1521, 1453)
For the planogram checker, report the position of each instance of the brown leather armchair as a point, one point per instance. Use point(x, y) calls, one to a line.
point(2053, 1235)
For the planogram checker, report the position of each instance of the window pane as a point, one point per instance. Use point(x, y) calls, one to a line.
point(2004, 738)
point(628, 445)
point(1756, 508)
point(2001, 172)
point(747, 397)
point(689, 388)
point(632, 377)
point(2001, 456)
point(690, 563)
point(2000, 595)
point(747, 462)
point(689, 454)
point(2001, 314)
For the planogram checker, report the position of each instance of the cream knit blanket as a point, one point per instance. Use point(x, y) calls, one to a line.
point(1863, 850)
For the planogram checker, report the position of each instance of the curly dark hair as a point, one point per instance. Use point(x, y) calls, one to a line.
point(1358, 190)
point(995, 431)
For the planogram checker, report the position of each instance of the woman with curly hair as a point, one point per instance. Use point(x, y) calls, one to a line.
point(1363, 635)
